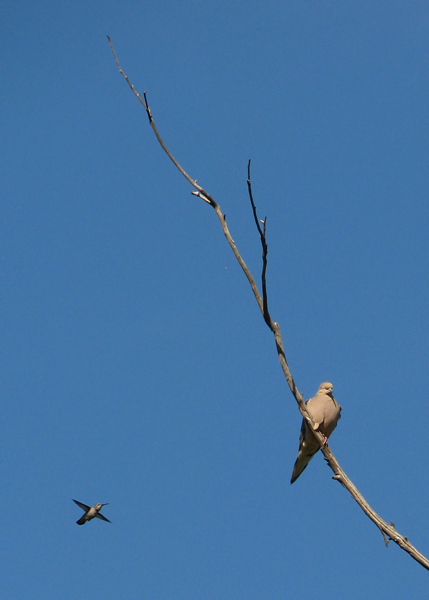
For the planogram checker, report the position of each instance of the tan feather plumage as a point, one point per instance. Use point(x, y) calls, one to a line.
point(325, 412)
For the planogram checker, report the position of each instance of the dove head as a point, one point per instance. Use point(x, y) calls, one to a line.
point(326, 388)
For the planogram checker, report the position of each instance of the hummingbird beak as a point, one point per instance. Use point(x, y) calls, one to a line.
point(105, 504)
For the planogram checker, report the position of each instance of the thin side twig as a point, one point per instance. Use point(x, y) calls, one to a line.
point(262, 234)
point(388, 531)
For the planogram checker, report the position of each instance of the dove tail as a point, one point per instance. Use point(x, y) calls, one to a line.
point(300, 465)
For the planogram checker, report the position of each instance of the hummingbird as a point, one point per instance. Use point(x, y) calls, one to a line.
point(90, 512)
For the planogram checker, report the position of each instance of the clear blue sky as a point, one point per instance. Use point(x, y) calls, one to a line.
point(135, 366)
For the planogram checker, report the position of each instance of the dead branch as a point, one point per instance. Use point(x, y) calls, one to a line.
point(388, 531)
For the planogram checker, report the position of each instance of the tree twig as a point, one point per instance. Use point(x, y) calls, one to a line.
point(388, 531)
point(262, 234)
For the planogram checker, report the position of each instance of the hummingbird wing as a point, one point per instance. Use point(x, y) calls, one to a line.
point(81, 504)
point(103, 518)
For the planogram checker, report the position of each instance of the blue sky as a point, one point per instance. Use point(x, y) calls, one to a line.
point(135, 366)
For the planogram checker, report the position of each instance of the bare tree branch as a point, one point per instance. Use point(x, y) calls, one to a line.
point(388, 531)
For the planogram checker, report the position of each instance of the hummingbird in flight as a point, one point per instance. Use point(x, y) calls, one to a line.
point(90, 512)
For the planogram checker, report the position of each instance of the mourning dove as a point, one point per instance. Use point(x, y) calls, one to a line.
point(325, 412)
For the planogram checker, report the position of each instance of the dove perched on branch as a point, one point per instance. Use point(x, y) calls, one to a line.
point(325, 412)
